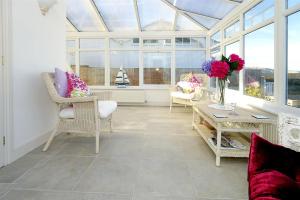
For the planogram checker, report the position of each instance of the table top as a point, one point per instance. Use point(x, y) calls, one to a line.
point(242, 114)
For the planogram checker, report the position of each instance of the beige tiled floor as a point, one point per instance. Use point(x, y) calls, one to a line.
point(151, 155)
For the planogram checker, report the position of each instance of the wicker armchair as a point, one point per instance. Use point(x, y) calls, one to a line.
point(79, 115)
point(178, 97)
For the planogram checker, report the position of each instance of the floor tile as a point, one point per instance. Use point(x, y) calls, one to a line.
point(42, 195)
point(59, 173)
point(110, 175)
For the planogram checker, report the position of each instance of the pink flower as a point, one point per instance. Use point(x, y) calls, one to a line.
point(235, 58)
point(219, 69)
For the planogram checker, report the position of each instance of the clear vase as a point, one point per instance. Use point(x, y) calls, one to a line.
point(221, 84)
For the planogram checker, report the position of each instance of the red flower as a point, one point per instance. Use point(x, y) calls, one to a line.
point(219, 69)
point(236, 58)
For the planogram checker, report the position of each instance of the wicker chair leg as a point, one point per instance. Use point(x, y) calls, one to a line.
point(97, 141)
point(50, 139)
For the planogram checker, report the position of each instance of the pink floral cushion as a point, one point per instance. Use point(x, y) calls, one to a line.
point(76, 85)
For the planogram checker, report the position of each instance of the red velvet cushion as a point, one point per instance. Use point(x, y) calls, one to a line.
point(273, 184)
point(265, 156)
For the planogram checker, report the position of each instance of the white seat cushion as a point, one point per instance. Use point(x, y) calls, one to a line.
point(182, 95)
point(105, 108)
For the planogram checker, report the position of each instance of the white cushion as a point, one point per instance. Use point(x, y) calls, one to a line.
point(105, 109)
point(182, 95)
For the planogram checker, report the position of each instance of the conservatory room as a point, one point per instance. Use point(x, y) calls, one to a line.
point(149, 99)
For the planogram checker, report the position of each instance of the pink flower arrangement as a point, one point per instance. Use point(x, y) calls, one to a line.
point(223, 68)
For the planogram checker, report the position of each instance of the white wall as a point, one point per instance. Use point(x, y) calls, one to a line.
point(38, 45)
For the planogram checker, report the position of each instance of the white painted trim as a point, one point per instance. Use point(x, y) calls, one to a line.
point(97, 13)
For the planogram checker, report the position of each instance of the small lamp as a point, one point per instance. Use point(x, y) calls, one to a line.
point(45, 5)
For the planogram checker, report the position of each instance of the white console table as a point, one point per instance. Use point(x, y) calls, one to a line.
point(242, 122)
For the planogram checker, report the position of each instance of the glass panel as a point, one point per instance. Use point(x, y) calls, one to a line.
point(127, 60)
point(215, 53)
point(214, 8)
point(91, 43)
point(124, 43)
point(259, 62)
point(205, 21)
point(157, 68)
point(293, 82)
point(190, 42)
point(233, 48)
point(183, 23)
point(155, 15)
point(215, 39)
point(291, 3)
point(119, 15)
point(82, 15)
point(70, 44)
point(259, 13)
point(71, 60)
point(188, 61)
point(92, 67)
point(157, 42)
point(232, 29)
point(70, 28)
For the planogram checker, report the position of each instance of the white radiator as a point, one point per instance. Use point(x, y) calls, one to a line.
point(129, 96)
point(270, 132)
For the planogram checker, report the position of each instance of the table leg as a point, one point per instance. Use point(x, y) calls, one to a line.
point(218, 157)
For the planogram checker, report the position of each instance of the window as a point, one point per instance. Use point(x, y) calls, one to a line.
point(71, 53)
point(233, 48)
point(157, 68)
point(215, 53)
point(215, 39)
point(291, 3)
point(92, 67)
point(131, 43)
point(232, 29)
point(187, 42)
point(259, 58)
point(127, 60)
point(293, 82)
point(91, 44)
point(157, 42)
point(259, 13)
point(70, 44)
point(188, 61)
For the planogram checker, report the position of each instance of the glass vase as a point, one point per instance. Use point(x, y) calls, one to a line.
point(221, 85)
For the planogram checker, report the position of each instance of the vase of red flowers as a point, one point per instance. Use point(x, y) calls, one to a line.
point(222, 69)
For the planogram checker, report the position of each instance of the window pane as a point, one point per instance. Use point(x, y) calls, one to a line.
point(155, 15)
point(188, 61)
point(71, 60)
point(70, 44)
point(215, 53)
point(92, 67)
point(82, 15)
point(119, 15)
point(157, 43)
point(259, 58)
point(259, 13)
point(187, 42)
point(293, 84)
point(91, 44)
point(157, 68)
point(127, 60)
point(232, 29)
point(124, 43)
point(291, 3)
point(233, 48)
point(215, 39)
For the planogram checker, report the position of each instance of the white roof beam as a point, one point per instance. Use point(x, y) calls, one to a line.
point(137, 15)
point(194, 13)
point(99, 16)
point(184, 14)
point(237, 2)
point(72, 25)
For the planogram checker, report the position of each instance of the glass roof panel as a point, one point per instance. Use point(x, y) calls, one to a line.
point(155, 15)
point(118, 15)
point(205, 21)
point(183, 23)
point(82, 14)
point(213, 8)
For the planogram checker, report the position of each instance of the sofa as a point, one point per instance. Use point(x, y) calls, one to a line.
point(273, 171)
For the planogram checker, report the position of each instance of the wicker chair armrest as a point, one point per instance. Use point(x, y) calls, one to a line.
point(63, 100)
point(103, 95)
